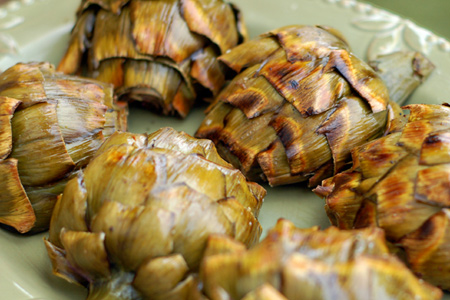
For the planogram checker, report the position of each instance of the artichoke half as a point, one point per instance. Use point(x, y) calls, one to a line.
point(401, 183)
point(160, 52)
point(143, 210)
point(309, 264)
point(301, 101)
point(51, 125)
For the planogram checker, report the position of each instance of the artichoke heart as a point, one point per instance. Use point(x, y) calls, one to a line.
point(51, 124)
point(143, 210)
point(301, 100)
point(162, 53)
point(309, 264)
point(401, 183)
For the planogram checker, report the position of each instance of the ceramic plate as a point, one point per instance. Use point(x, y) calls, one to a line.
point(37, 30)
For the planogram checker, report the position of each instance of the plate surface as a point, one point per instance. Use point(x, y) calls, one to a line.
point(37, 30)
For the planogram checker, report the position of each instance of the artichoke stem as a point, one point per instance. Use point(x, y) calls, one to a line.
point(402, 73)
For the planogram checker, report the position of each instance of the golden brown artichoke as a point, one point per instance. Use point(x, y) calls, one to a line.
point(401, 183)
point(309, 264)
point(51, 124)
point(301, 101)
point(160, 52)
point(143, 210)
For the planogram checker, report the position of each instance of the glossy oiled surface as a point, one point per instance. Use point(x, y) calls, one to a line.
point(25, 268)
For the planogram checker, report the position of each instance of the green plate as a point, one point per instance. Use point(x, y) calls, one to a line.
point(38, 30)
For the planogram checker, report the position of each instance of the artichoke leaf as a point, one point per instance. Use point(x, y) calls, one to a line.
point(24, 82)
point(7, 108)
point(15, 207)
point(156, 36)
point(77, 244)
point(212, 20)
point(160, 275)
point(40, 148)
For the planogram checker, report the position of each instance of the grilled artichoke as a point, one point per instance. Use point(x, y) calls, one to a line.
point(301, 101)
point(143, 210)
point(162, 53)
point(293, 263)
point(51, 125)
point(401, 183)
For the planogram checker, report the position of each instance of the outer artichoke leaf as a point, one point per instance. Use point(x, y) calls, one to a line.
point(376, 158)
point(24, 82)
point(160, 275)
point(15, 207)
point(362, 78)
point(38, 145)
point(247, 228)
point(252, 94)
point(137, 141)
point(7, 108)
point(59, 86)
point(306, 149)
point(112, 38)
point(416, 132)
point(69, 214)
point(353, 117)
point(77, 244)
point(275, 165)
point(436, 149)
point(433, 185)
point(190, 237)
point(213, 123)
point(71, 61)
point(126, 233)
point(427, 249)
point(219, 274)
point(159, 30)
point(286, 77)
point(184, 99)
point(78, 118)
point(390, 279)
point(207, 70)
point(313, 279)
point(110, 70)
point(307, 42)
point(186, 289)
point(129, 182)
point(61, 266)
point(342, 200)
point(254, 52)
point(161, 80)
point(44, 198)
point(112, 5)
point(169, 138)
point(215, 181)
point(98, 173)
point(419, 112)
point(213, 20)
point(223, 244)
point(82, 150)
point(266, 292)
point(247, 138)
point(398, 212)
